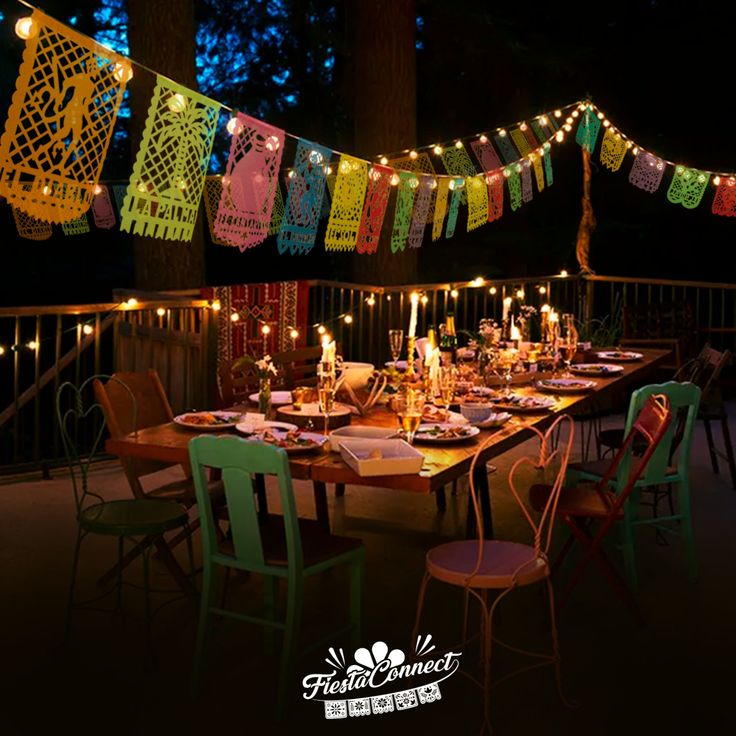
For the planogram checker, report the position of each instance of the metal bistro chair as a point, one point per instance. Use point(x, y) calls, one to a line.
point(483, 566)
point(279, 547)
point(141, 521)
point(669, 467)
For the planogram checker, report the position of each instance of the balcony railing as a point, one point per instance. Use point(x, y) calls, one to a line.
point(175, 333)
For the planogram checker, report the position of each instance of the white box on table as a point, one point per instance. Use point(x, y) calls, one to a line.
point(397, 457)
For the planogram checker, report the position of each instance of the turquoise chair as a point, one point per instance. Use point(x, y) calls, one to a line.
point(278, 547)
point(669, 466)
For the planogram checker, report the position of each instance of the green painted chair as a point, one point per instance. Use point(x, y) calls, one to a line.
point(278, 547)
point(143, 522)
point(668, 467)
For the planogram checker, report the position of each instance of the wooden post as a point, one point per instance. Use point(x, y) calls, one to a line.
point(587, 220)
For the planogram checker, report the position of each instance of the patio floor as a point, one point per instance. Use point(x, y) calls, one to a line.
point(673, 676)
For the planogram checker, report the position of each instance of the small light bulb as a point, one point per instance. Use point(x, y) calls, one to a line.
point(33, 345)
point(383, 160)
point(234, 126)
point(265, 330)
point(348, 318)
point(493, 290)
point(97, 190)
point(559, 136)
point(293, 334)
point(321, 329)
point(543, 120)
point(451, 184)
point(216, 306)
point(122, 72)
point(600, 116)
point(454, 293)
point(234, 317)
point(414, 182)
point(483, 138)
point(542, 289)
point(26, 28)
point(520, 294)
point(507, 301)
point(425, 299)
point(292, 174)
point(563, 273)
point(629, 144)
point(88, 329)
point(177, 102)
point(433, 184)
point(315, 158)
point(413, 155)
point(161, 312)
point(437, 150)
point(371, 301)
point(46, 189)
point(273, 143)
point(388, 297)
point(523, 126)
point(458, 144)
point(606, 123)
point(2, 350)
point(575, 113)
point(558, 113)
point(328, 170)
point(567, 127)
point(132, 302)
point(636, 151)
point(502, 133)
point(395, 179)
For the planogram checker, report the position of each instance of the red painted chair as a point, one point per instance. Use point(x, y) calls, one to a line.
point(583, 507)
point(481, 566)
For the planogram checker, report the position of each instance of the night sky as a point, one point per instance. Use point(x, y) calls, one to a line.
point(660, 70)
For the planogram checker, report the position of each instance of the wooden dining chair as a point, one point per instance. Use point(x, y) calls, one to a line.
point(590, 511)
point(482, 566)
point(279, 547)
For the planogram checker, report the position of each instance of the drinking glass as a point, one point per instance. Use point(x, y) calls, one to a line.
point(395, 341)
point(503, 364)
point(447, 381)
point(568, 344)
point(409, 408)
point(326, 396)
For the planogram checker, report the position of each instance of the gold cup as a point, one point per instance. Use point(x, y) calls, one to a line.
point(297, 397)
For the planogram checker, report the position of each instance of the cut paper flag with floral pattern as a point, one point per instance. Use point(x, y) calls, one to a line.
point(514, 182)
point(613, 150)
point(374, 208)
point(520, 141)
point(422, 164)
point(76, 227)
point(347, 204)
point(211, 198)
point(495, 195)
point(440, 210)
point(588, 128)
point(687, 187)
point(408, 184)
point(458, 162)
point(31, 228)
point(548, 173)
point(278, 212)
point(427, 185)
point(454, 207)
point(102, 211)
point(647, 172)
point(526, 182)
point(536, 160)
point(504, 144)
point(306, 189)
point(168, 175)
point(539, 130)
point(477, 201)
point(60, 121)
point(724, 203)
point(486, 155)
point(249, 183)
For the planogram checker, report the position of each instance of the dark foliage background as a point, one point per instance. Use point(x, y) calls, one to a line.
point(656, 67)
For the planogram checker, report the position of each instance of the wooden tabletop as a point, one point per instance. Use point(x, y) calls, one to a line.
point(443, 463)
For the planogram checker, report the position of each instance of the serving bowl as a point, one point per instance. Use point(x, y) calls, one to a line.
point(356, 375)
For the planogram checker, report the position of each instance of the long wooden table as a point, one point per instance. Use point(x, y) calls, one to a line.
point(442, 465)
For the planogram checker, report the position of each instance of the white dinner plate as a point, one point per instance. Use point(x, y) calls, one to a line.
point(526, 404)
point(620, 356)
point(430, 432)
point(495, 420)
point(229, 420)
point(565, 385)
point(596, 369)
point(278, 398)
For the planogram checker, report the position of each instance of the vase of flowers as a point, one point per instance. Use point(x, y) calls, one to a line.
point(265, 371)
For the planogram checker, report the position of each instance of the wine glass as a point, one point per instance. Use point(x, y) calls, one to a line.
point(409, 406)
point(503, 364)
point(447, 380)
point(567, 351)
point(395, 341)
point(326, 395)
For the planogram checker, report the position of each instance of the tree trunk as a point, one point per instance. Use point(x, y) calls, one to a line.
point(587, 220)
point(381, 34)
point(162, 36)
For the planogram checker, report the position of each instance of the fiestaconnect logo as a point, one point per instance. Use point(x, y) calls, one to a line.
point(377, 681)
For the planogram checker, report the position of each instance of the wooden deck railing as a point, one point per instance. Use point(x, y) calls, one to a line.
point(175, 333)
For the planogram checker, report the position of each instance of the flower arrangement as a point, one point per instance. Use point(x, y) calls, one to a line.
point(262, 367)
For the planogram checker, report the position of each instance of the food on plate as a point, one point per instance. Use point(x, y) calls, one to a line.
point(434, 414)
point(290, 440)
point(206, 419)
point(526, 402)
point(443, 432)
